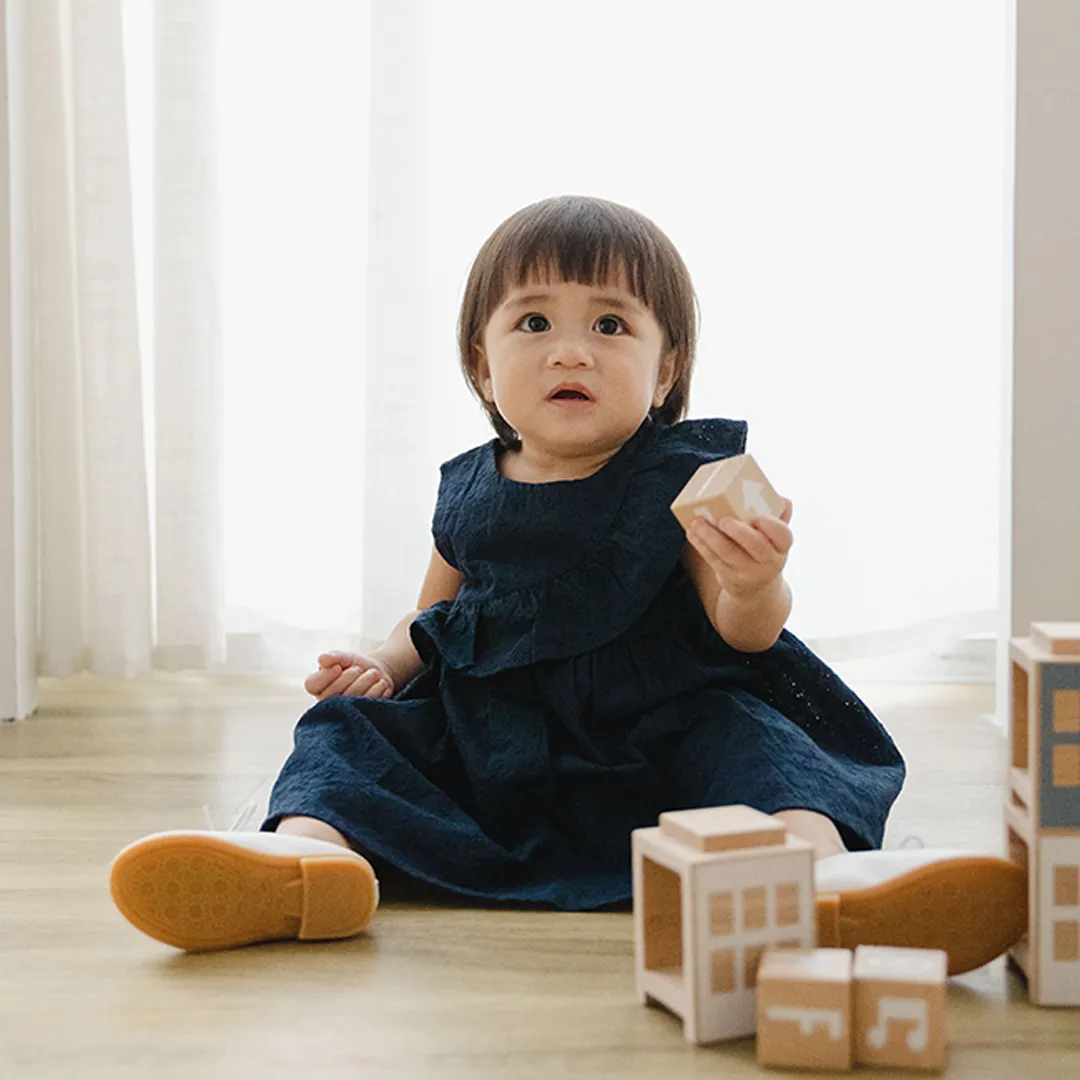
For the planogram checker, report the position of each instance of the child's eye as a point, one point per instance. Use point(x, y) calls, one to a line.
point(611, 319)
point(527, 324)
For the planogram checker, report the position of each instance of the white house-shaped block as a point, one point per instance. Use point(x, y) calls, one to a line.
point(713, 889)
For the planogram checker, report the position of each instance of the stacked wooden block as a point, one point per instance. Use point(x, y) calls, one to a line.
point(725, 928)
point(1042, 806)
point(829, 1009)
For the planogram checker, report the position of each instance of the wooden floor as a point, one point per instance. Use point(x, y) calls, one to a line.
point(435, 989)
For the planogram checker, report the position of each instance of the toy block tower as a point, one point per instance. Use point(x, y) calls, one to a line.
point(1042, 805)
point(713, 888)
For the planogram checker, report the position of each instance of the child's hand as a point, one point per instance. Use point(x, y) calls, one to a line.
point(350, 675)
point(745, 557)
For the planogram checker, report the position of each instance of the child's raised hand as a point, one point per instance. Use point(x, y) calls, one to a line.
point(350, 675)
point(744, 556)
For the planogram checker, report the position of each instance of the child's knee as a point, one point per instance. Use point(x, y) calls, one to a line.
point(312, 827)
point(815, 828)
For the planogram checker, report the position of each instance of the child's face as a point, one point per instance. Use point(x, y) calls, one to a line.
point(600, 337)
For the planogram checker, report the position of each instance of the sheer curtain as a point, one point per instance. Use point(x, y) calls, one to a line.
point(249, 291)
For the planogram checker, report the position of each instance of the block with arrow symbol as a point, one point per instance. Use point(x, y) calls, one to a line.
point(732, 487)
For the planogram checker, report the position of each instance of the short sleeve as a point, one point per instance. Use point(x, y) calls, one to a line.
point(454, 478)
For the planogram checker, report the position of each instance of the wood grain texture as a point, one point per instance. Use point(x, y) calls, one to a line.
point(437, 987)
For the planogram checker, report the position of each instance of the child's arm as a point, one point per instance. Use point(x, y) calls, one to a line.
point(397, 652)
point(753, 623)
point(736, 568)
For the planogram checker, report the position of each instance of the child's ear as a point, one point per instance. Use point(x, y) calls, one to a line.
point(483, 372)
point(665, 377)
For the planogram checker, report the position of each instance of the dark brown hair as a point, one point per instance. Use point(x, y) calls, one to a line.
point(581, 239)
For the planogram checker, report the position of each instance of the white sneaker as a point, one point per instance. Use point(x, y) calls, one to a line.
point(974, 907)
point(215, 890)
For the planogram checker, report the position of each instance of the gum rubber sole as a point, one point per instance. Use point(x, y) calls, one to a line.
point(973, 908)
point(200, 892)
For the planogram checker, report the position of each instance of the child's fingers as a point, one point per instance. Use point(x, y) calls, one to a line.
point(318, 681)
point(378, 688)
point(364, 682)
point(341, 684)
point(748, 538)
point(335, 656)
point(715, 548)
point(734, 539)
point(777, 532)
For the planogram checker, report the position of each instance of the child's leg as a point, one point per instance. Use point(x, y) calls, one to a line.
point(971, 906)
point(815, 828)
point(313, 827)
point(215, 890)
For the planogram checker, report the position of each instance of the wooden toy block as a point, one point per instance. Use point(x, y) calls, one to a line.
point(713, 889)
point(900, 1017)
point(1042, 806)
point(722, 828)
point(732, 487)
point(804, 1009)
point(1058, 638)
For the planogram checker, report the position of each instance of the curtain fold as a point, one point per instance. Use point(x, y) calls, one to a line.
point(188, 377)
point(18, 497)
point(96, 588)
point(399, 477)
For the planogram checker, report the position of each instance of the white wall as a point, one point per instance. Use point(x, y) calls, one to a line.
point(18, 560)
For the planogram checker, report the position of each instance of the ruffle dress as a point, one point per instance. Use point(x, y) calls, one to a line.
point(574, 690)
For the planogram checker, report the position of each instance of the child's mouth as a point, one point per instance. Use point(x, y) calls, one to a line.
point(570, 397)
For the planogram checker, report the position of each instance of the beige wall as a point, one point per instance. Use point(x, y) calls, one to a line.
point(1044, 556)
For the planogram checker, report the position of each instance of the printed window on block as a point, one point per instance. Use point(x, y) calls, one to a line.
point(1066, 886)
point(722, 971)
point(754, 912)
point(787, 904)
point(752, 955)
point(1067, 941)
point(1067, 712)
point(721, 914)
point(1066, 766)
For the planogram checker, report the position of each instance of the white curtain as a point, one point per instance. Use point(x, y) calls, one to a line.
point(125, 584)
point(95, 564)
point(245, 295)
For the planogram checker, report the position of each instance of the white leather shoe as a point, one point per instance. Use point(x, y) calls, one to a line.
point(215, 890)
point(974, 907)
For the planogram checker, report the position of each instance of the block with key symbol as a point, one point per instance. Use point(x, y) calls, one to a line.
point(804, 1009)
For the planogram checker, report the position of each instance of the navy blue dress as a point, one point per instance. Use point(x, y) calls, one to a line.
point(573, 690)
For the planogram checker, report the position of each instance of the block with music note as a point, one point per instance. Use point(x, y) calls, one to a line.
point(900, 1015)
point(731, 487)
point(804, 1008)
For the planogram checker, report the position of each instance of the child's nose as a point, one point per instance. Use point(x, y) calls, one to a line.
point(570, 352)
